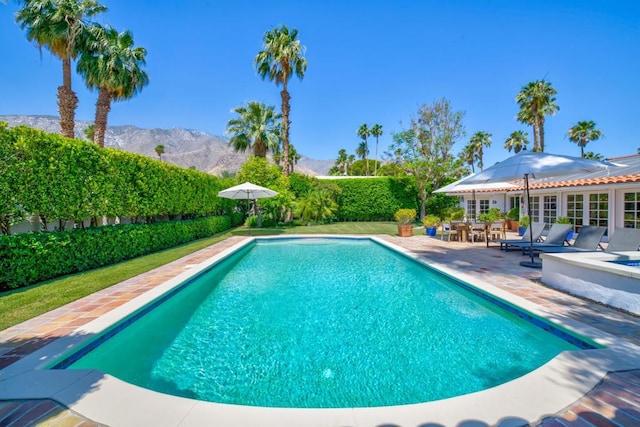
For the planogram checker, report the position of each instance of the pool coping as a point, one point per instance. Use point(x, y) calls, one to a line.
point(545, 391)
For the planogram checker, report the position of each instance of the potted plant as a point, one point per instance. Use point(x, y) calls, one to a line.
point(405, 218)
point(430, 222)
point(565, 220)
point(523, 223)
point(512, 219)
point(490, 216)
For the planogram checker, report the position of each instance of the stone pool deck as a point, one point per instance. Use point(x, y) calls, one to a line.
point(613, 402)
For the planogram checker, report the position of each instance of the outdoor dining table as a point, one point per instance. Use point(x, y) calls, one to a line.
point(462, 228)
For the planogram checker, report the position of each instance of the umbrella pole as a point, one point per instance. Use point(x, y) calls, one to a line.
point(532, 263)
point(249, 211)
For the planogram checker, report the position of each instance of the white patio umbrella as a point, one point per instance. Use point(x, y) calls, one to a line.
point(247, 191)
point(529, 164)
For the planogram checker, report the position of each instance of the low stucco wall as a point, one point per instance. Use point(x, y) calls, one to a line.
point(590, 275)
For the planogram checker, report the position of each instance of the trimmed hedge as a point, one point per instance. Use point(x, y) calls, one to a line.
point(33, 257)
point(64, 179)
point(374, 199)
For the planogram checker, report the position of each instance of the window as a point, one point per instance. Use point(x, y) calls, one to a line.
point(549, 209)
point(471, 209)
point(632, 210)
point(535, 209)
point(514, 202)
point(575, 210)
point(484, 206)
point(599, 209)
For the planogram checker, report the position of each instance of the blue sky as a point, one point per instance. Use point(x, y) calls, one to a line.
point(368, 62)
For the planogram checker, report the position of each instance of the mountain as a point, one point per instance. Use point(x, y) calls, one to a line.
point(183, 147)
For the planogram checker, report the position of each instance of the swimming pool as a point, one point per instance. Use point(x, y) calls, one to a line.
point(365, 338)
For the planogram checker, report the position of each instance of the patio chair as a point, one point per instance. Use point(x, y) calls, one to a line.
point(588, 240)
point(449, 230)
point(497, 230)
point(477, 232)
point(536, 229)
point(557, 236)
point(624, 239)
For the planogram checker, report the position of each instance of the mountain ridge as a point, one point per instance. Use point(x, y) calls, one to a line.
point(183, 147)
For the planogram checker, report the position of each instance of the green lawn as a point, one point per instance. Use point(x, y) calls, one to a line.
point(25, 303)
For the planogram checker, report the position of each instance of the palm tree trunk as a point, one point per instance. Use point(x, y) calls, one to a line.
point(259, 148)
point(375, 166)
point(366, 156)
point(541, 136)
point(67, 101)
point(103, 106)
point(284, 94)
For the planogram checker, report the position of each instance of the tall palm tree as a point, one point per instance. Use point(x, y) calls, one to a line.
point(536, 100)
point(517, 141)
point(376, 131)
point(293, 157)
point(583, 132)
point(364, 132)
point(159, 151)
point(473, 152)
point(59, 25)
point(257, 127)
point(350, 160)
point(111, 64)
point(362, 151)
point(468, 156)
point(281, 58)
point(478, 141)
point(341, 162)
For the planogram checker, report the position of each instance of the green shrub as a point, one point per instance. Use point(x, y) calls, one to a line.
point(513, 214)
point(33, 257)
point(430, 221)
point(405, 216)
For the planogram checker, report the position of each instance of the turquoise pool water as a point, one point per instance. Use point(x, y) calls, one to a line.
point(322, 323)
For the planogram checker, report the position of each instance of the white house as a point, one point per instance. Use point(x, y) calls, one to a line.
point(609, 198)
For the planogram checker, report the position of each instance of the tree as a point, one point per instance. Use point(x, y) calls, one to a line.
point(478, 141)
point(111, 64)
point(318, 204)
point(468, 156)
point(517, 141)
point(256, 128)
point(362, 151)
point(59, 25)
point(281, 58)
point(583, 132)
point(425, 148)
point(257, 170)
point(364, 132)
point(340, 165)
point(350, 161)
point(376, 131)
point(593, 156)
point(159, 151)
point(89, 132)
point(536, 100)
point(293, 158)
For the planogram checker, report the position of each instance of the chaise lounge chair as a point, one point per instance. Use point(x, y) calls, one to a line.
point(624, 239)
point(588, 240)
point(537, 229)
point(557, 236)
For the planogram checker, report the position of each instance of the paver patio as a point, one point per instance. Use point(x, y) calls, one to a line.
point(614, 402)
